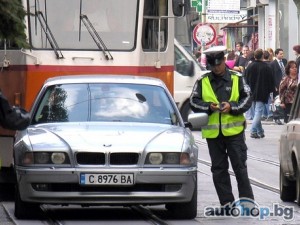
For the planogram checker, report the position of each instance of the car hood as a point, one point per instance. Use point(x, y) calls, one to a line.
point(106, 137)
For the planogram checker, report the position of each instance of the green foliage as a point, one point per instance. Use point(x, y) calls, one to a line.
point(12, 26)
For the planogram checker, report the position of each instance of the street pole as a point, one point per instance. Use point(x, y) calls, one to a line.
point(297, 3)
point(203, 20)
point(203, 13)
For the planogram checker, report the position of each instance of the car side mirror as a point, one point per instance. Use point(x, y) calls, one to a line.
point(197, 120)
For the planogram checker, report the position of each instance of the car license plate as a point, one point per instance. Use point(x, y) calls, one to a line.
point(106, 179)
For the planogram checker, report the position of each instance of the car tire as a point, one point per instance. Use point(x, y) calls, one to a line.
point(298, 186)
point(287, 188)
point(25, 210)
point(186, 210)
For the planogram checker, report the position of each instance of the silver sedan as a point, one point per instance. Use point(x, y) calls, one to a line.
point(106, 140)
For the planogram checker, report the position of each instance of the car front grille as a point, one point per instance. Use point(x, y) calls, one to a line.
point(90, 158)
point(96, 158)
point(123, 158)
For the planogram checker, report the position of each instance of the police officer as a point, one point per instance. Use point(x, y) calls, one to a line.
point(224, 96)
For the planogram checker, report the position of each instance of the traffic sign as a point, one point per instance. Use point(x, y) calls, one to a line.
point(204, 34)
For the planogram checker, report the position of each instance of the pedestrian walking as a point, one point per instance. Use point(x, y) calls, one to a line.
point(288, 87)
point(238, 48)
point(225, 97)
point(261, 81)
point(268, 114)
point(242, 61)
point(278, 67)
point(230, 59)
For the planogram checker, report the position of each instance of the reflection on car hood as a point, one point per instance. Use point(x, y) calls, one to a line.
point(105, 136)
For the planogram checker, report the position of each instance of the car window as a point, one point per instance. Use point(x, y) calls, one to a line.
point(106, 102)
point(64, 103)
point(181, 62)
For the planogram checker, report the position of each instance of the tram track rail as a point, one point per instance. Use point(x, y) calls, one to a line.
point(252, 157)
point(49, 214)
point(145, 213)
point(253, 181)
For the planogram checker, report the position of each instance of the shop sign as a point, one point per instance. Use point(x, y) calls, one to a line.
point(226, 18)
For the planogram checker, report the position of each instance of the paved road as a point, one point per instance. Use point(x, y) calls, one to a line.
point(266, 148)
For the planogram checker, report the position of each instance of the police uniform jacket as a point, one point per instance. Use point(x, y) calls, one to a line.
point(222, 86)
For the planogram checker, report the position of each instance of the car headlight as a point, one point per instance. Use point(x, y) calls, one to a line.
point(155, 158)
point(58, 158)
point(41, 158)
point(45, 158)
point(169, 158)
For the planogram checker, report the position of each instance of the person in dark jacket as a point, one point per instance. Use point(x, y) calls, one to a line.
point(278, 67)
point(225, 97)
point(260, 78)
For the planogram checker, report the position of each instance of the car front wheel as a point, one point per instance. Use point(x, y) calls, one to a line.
point(298, 186)
point(287, 188)
point(186, 210)
point(25, 210)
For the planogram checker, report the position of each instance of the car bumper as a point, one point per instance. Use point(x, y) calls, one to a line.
point(62, 186)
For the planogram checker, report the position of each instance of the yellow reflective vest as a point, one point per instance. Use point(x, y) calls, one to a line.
point(229, 124)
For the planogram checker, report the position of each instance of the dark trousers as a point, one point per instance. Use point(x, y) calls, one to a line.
point(235, 148)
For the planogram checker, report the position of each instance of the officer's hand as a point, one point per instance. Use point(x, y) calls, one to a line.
point(214, 106)
point(225, 107)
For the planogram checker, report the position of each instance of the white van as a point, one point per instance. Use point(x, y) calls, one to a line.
point(187, 71)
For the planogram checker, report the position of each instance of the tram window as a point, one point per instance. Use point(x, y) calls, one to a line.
point(114, 25)
point(153, 9)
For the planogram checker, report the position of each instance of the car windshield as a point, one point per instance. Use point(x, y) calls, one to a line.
point(105, 102)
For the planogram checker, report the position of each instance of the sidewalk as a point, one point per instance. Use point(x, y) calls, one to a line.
point(264, 122)
point(4, 218)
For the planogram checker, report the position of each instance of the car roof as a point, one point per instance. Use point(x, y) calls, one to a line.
point(106, 78)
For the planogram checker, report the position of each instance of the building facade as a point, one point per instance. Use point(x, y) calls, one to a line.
point(264, 24)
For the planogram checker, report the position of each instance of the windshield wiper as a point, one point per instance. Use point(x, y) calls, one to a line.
point(49, 34)
point(96, 37)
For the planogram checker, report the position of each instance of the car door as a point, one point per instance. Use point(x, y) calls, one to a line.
point(290, 137)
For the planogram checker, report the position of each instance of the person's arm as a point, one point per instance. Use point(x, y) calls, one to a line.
point(196, 102)
point(271, 81)
point(245, 99)
point(236, 66)
point(282, 88)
